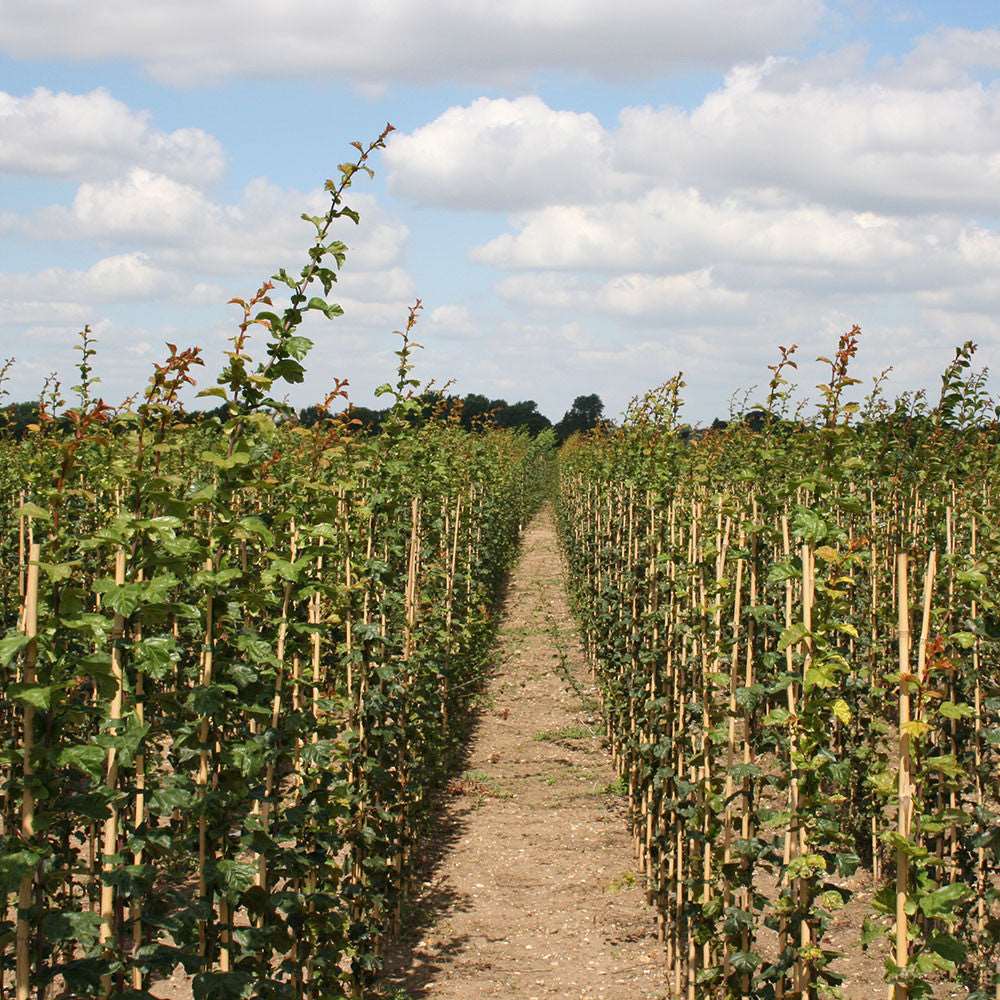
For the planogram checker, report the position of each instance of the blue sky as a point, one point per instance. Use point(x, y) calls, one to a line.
point(586, 200)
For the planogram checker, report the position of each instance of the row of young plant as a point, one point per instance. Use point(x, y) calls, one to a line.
point(236, 659)
point(795, 629)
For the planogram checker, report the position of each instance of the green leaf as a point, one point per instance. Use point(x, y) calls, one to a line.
point(777, 717)
point(842, 711)
point(30, 509)
point(81, 927)
point(38, 695)
point(809, 526)
point(222, 985)
point(86, 757)
point(57, 571)
point(15, 866)
point(966, 640)
point(941, 902)
point(951, 710)
point(950, 949)
point(11, 645)
point(944, 764)
point(792, 635)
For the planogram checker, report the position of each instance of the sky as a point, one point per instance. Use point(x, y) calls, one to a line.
point(587, 197)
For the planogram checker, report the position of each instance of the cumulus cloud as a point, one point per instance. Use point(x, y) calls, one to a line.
point(451, 319)
point(824, 130)
point(497, 152)
point(185, 230)
point(636, 296)
point(111, 279)
point(668, 230)
point(95, 135)
point(181, 41)
point(28, 312)
point(197, 252)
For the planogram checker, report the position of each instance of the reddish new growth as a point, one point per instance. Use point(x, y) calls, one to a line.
point(260, 297)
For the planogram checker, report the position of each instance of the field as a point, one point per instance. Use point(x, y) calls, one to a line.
point(242, 660)
point(791, 628)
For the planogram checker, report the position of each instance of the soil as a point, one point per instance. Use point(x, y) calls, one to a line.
point(534, 893)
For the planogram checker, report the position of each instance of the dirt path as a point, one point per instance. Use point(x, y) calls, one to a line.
point(534, 893)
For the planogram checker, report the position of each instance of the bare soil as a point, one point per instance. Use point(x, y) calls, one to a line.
point(534, 892)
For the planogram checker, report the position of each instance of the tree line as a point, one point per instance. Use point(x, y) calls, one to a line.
point(473, 411)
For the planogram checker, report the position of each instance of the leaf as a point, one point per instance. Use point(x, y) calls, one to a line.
point(235, 877)
point(744, 961)
point(222, 985)
point(11, 645)
point(255, 526)
point(777, 717)
point(86, 757)
point(30, 509)
point(77, 926)
point(915, 729)
point(792, 635)
point(14, 867)
point(842, 711)
point(215, 390)
point(941, 902)
point(951, 710)
point(156, 655)
point(944, 764)
point(948, 948)
point(57, 571)
point(809, 526)
point(37, 695)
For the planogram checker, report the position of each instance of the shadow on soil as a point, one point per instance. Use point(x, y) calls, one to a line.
point(408, 968)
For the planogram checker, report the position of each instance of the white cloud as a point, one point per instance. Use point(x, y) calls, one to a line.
point(451, 318)
point(824, 130)
point(946, 55)
point(28, 312)
point(694, 294)
point(95, 135)
point(859, 142)
point(497, 152)
point(184, 230)
point(181, 41)
point(111, 279)
point(668, 230)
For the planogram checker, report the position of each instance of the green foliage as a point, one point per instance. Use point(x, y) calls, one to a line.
point(736, 593)
point(257, 643)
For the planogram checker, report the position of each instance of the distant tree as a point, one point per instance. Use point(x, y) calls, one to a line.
point(583, 415)
point(524, 414)
point(370, 419)
point(475, 408)
point(15, 417)
point(311, 415)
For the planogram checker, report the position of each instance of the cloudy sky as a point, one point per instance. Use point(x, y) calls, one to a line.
point(587, 196)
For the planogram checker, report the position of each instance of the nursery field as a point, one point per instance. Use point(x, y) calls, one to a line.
point(793, 625)
point(235, 661)
point(243, 662)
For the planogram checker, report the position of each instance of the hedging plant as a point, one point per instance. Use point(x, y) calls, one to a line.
point(236, 658)
point(792, 622)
